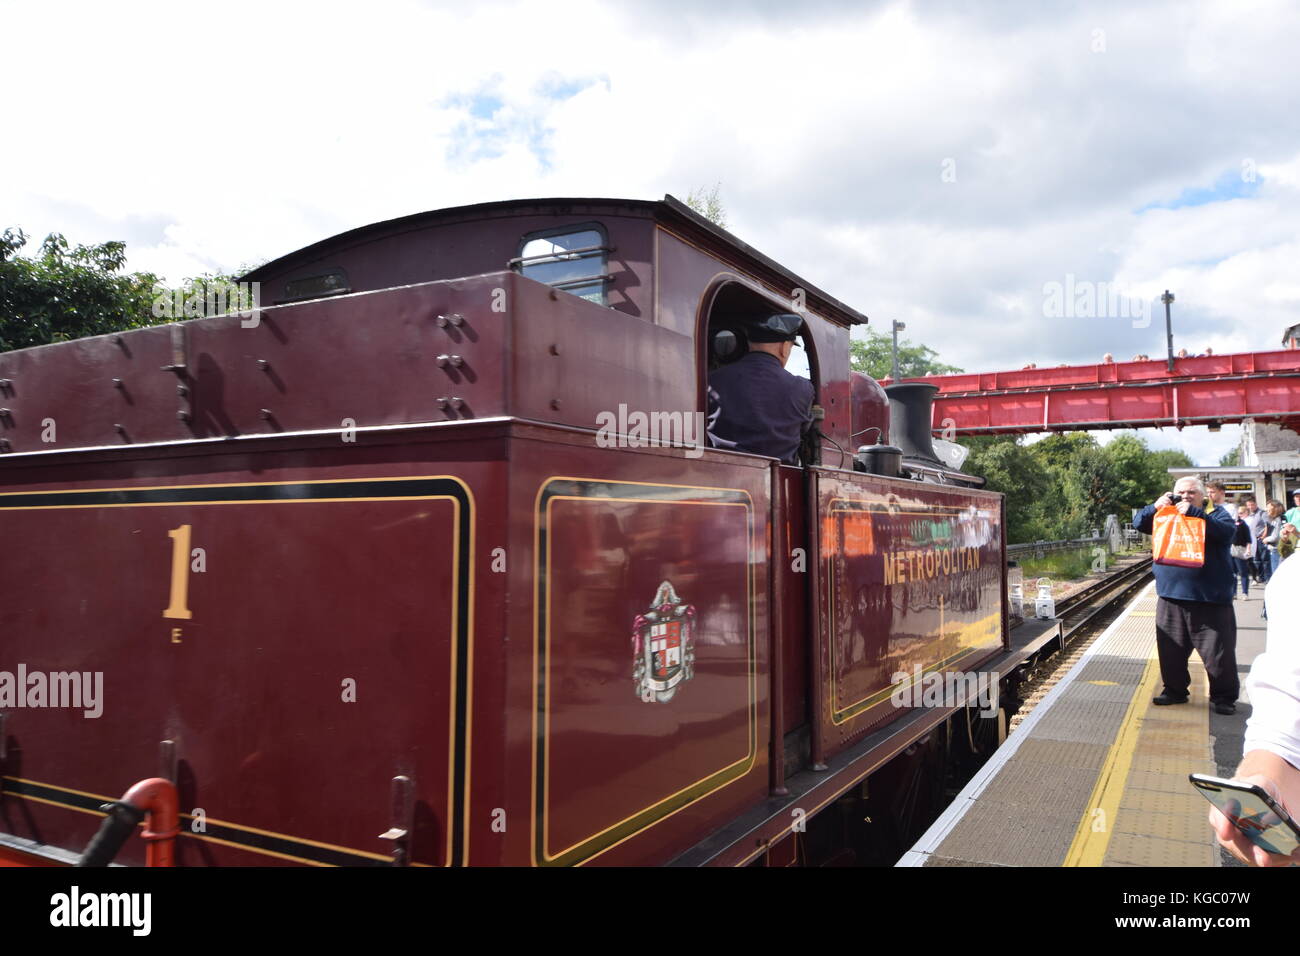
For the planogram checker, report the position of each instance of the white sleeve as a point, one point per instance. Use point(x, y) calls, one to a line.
point(1274, 681)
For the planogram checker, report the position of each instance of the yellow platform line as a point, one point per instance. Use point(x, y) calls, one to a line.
point(1093, 835)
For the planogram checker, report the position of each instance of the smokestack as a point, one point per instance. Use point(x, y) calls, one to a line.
point(911, 410)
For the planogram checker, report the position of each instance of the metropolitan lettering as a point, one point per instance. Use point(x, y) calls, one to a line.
point(921, 565)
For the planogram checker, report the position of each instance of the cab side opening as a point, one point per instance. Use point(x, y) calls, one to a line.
point(734, 306)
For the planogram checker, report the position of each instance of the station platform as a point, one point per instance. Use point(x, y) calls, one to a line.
point(1097, 774)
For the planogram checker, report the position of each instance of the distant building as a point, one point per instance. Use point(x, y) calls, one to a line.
point(1275, 451)
point(1238, 482)
point(1269, 456)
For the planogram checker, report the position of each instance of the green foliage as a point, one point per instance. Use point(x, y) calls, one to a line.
point(1058, 565)
point(66, 293)
point(213, 293)
point(1143, 473)
point(1011, 468)
point(1133, 471)
point(1065, 485)
point(707, 204)
point(874, 357)
point(1086, 478)
point(1231, 459)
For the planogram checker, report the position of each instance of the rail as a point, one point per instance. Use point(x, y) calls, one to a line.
point(1041, 547)
point(155, 799)
point(1081, 607)
point(1038, 548)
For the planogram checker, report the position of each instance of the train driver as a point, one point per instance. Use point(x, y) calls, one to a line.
point(762, 408)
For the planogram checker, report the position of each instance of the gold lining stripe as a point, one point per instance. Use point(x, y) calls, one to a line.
point(455, 602)
point(842, 715)
point(241, 484)
point(55, 803)
point(748, 757)
point(753, 699)
point(252, 849)
point(197, 836)
point(38, 783)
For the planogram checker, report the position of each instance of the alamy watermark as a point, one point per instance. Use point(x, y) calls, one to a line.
point(637, 429)
point(77, 689)
point(127, 910)
point(205, 299)
point(1082, 299)
point(948, 689)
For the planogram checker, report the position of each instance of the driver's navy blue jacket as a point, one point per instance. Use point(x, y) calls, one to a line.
point(763, 408)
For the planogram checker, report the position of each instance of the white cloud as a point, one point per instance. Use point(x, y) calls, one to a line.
point(212, 135)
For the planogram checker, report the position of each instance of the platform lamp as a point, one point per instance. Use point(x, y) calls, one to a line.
point(898, 327)
point(1167, 298)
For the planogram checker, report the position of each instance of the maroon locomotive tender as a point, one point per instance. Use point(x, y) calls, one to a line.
point(363, 577)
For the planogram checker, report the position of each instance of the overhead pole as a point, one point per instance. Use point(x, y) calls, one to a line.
point(898, 327)
point(1167, 298)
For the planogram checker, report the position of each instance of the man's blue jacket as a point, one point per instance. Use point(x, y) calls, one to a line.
point(1211, 583)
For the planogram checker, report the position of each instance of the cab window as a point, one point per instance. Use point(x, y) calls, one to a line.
point(333, 282)
point(798, 364)
point(574, 261)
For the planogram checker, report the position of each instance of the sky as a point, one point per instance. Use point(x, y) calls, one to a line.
point(941, 163)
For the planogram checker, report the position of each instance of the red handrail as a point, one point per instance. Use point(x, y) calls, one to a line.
point(157, 798)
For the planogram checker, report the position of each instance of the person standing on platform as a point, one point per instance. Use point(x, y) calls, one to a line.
point(1293, 514)
point(1270, 537)
point(1243, 550)
point(1254, 518)
point(1194, 605)
point(1287, 542)
point(1218, 494)
point(1272, 534)
point(1271, 750)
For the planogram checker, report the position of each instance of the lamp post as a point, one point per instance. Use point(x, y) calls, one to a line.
point(898, 327)
point(1167, 298)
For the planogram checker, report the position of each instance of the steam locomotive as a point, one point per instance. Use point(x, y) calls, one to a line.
point(394, 570)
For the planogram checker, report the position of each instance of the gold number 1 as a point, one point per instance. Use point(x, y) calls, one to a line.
point(179, 606)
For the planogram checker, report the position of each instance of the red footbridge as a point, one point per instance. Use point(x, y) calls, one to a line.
point(1208, 390)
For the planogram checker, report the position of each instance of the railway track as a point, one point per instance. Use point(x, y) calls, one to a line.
point(1081, 608)
point(1084, 616)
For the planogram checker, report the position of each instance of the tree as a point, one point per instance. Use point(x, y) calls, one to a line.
point(707, 204)
point(1087, 492)
point(207, 295)
point(1161, 462)
point(1141, 474)
point(1084, 481)
point(1231, 459)
point(875, 357)
point(67, 293)
point(1134, 472)
point(1011, 468)
point(1065, 485)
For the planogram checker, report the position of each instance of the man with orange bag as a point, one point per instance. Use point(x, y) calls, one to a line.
point(1194, 606)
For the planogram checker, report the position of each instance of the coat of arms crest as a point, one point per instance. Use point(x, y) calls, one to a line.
point(663, 645)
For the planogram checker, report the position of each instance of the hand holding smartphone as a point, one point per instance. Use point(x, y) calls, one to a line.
point(1254, 813)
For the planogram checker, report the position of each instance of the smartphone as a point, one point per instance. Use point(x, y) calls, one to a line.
point(1252, 811)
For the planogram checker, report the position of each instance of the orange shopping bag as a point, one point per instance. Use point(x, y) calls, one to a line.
point(1177, 539)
